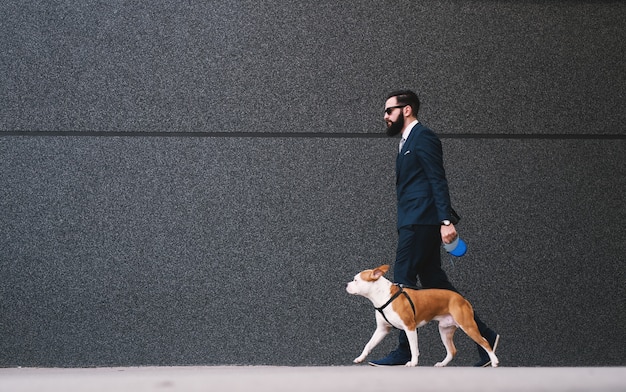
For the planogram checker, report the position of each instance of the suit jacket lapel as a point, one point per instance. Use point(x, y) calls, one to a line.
point(398, 166)
point(405, 148)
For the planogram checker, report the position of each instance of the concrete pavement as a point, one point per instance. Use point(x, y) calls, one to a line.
point(303, 379)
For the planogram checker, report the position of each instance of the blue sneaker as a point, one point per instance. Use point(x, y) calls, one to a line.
point(397, 357)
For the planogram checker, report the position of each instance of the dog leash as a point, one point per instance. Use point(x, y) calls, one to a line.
point(393, 297)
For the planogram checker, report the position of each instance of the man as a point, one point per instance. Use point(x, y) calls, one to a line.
point(424, 212)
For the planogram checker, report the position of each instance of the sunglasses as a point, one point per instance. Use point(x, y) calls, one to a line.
point(390, 108)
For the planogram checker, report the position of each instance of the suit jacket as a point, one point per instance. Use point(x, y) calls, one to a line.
point(421, 185)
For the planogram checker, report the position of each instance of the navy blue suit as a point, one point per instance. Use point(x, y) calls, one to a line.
point(421, 185)
point(423, 202)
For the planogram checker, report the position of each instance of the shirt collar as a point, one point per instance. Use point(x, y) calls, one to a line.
point(407, 131)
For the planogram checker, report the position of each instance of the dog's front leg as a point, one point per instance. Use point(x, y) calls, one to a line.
point(382, 330)
point(412, 336)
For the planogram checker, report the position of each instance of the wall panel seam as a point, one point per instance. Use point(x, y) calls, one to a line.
point(316, 135)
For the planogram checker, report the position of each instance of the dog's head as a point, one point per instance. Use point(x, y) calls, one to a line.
point(364, 281)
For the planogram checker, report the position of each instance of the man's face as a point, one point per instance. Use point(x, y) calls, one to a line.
point(393, 117)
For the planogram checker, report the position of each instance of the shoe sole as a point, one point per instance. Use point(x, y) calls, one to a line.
point(494, 348)
point(379, 365)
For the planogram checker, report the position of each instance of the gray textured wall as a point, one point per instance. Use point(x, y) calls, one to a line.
point(194, 182)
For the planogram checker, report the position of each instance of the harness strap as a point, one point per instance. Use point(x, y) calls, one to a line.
point(393, 297)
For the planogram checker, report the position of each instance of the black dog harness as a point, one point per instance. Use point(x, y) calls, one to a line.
point(393, 297)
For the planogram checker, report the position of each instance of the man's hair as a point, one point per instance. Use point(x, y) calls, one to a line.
point(407, 97)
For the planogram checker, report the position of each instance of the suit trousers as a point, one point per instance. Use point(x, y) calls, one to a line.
point(419, 256)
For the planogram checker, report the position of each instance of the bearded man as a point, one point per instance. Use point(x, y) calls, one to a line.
point(425, 214)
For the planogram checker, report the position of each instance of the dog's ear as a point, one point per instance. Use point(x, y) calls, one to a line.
point(380, 271)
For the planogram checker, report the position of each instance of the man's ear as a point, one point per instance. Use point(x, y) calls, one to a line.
point(407, 111)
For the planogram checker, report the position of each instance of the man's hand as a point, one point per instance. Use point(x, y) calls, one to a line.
point(448, 233)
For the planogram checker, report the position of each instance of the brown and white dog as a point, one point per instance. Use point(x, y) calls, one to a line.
point(409, 309)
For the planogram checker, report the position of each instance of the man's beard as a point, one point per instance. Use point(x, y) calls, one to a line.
point(395, 127)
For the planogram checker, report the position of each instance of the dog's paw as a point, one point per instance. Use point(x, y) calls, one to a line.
point(358, 360)
point(411, 364)
point(440, 364)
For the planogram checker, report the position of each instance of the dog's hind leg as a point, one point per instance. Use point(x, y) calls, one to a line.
point(472, 332)
point(464, 317)
point(447, 337)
